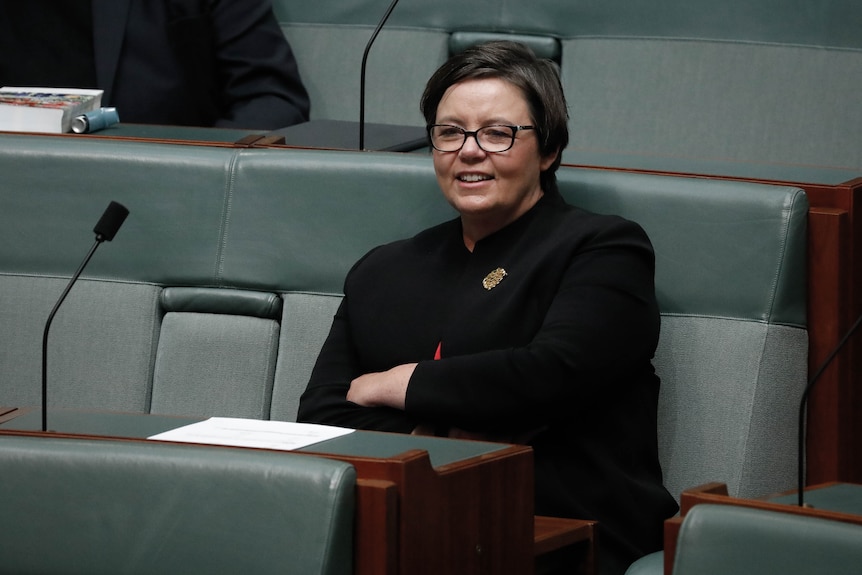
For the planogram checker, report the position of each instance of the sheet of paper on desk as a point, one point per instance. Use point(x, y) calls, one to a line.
point(239, 432)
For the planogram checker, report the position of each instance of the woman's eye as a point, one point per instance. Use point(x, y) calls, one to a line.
point(493, 134)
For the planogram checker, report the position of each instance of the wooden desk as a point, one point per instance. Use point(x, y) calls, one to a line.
point(835, 501)
point(317, 134)
point(424, 504)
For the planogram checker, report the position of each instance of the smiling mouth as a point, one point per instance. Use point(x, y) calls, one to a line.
point(473, 178)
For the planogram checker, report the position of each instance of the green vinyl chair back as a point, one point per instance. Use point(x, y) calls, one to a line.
point(726, 539)
point(108, 507)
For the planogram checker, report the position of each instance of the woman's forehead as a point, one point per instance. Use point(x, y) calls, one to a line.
point(485, 99)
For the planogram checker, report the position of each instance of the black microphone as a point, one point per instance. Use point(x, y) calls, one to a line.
point(109, 224)
point(802, 405)
point(362, 74)
point(105, 230)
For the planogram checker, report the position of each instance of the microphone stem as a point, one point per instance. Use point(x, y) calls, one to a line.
point(72, 281)
point(362, 74)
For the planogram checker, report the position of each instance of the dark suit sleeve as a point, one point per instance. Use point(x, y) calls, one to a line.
point(256, 67)
point(325, 398)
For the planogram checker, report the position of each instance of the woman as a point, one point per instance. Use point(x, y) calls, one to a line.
point(523, 320)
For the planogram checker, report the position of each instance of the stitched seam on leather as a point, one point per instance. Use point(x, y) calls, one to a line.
point(230, 186)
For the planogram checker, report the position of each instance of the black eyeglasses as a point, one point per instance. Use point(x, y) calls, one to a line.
point(493, 139)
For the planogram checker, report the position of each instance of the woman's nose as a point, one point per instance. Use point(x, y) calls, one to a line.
point(471, 147)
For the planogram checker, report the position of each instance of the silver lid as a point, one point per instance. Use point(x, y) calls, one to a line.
point(80, 124)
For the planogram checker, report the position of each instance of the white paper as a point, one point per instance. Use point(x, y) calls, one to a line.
point(239, 432)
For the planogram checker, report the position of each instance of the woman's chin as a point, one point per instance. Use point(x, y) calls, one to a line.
point(472, 203)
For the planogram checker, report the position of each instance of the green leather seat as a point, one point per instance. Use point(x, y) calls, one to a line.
point(108, 507)
point(726, 539)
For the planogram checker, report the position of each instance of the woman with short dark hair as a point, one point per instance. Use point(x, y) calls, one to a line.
point(523, 320)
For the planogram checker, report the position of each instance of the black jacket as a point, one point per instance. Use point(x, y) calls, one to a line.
point(197, 63)
point(556, 355)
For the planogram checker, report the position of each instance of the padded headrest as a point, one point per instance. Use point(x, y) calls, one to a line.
point(221, 300)
point(543, 46)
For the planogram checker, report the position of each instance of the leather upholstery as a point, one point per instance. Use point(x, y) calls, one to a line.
point(220, 300)
point(660, 82)
point(721, 539)
point(167, 317)
point(104, 507)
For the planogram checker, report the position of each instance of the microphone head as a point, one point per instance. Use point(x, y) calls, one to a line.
point(110, 222)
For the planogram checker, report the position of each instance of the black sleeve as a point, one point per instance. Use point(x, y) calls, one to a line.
point(325, 398)
point(256, 68)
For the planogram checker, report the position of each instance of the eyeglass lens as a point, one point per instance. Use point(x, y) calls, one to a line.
point(490, 138)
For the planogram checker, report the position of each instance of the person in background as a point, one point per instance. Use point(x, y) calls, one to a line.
point(208, 63)
point(523, 320)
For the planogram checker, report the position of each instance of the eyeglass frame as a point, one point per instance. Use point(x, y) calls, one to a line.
point(475, 135)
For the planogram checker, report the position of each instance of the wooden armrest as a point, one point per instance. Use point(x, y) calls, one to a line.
point(553, 533)
point(708, 492)
point(714, 488)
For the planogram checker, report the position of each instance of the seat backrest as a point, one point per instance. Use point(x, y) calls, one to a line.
point(235, 255)
point(667, 78)
point(722, 539)
point(104, 507)
point(217, 351)
point(732, 355)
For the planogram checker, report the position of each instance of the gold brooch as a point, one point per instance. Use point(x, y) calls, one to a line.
point(493, 279)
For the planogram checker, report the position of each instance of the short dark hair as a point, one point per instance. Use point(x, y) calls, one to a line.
point(538, 79)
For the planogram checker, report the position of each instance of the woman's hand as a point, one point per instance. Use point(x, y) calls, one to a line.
point(382, 389)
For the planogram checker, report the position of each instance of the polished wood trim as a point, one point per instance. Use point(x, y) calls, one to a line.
point(694, 497)
point(829, 300)
point(460, 517)
point(375, 544)
point(576, 536)
point(552, 533)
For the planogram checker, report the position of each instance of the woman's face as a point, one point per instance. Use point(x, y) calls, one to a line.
point(489, 190)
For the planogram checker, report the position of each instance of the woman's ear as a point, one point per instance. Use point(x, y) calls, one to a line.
point(547, 161)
